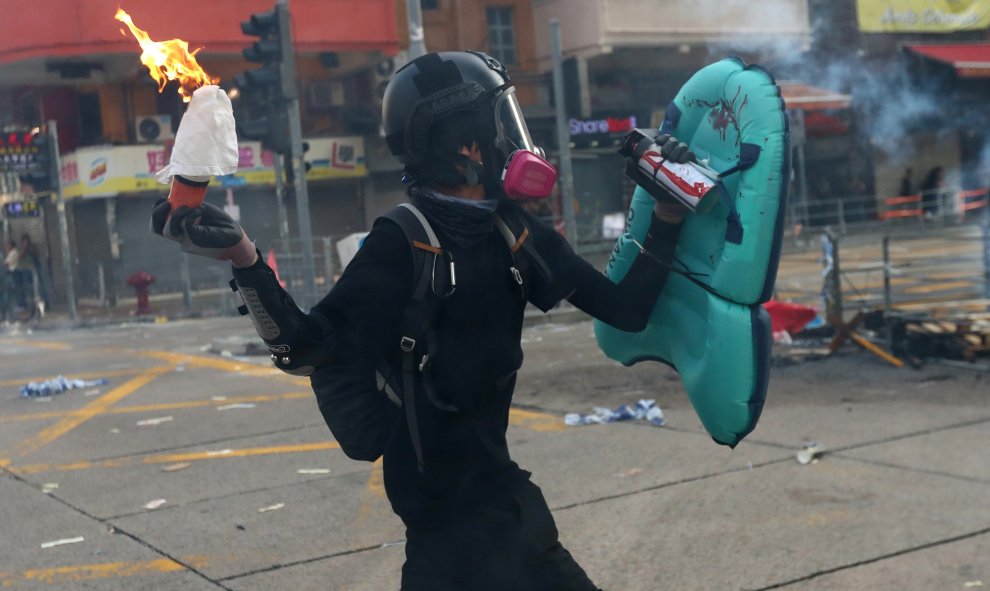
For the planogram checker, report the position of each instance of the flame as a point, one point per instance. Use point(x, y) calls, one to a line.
point(169, 60)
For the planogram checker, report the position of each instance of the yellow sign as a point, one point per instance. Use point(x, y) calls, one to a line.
point(106, 171)
point(922, 16)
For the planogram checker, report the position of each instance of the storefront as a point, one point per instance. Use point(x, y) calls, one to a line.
point(111, 190)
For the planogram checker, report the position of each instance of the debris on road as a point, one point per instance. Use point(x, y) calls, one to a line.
point(274, 507)
point(962, 337)
point(153, 422)
point(48, 487)
point(57, 386)
point(237, 405)
point(643, 410)
point(92, 392)
point(313, 471)
point(62, 542)
point(629, 472)
point(155, 504)
point(809, 454)
point(176, 467)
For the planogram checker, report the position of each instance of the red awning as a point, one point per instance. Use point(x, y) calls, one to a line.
point(970, 61)
point(812, 98)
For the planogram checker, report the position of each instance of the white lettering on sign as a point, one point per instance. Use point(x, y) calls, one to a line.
point(602, 126)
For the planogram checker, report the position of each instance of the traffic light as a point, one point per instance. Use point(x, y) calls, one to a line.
point(264, 91)
point(38, 173)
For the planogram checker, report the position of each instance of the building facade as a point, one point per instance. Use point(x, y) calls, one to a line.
point(67, 61)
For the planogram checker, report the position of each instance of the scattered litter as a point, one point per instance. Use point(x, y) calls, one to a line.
point(92, 392)
point(969, 584)
point(313, 471)
point(218, 398)
point(48, 487)
point(644, 410)
point(810, 453)
point(226, 353)
point(237, 405)
point(62, 542)
point(219, 452)
point(111, 529)
point(155, 504)
point(176, 467)
point(390, 544)
point(240, 527)
point(115, 430)
point(152, 422)
point(57, 386)
point(629, 472)
point(274, 507)
point(180, 368)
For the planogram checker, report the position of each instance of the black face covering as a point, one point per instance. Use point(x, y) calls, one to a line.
point(465, 221)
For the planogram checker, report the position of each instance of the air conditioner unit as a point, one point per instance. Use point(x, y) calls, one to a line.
point(383, 71)
point(154, 129)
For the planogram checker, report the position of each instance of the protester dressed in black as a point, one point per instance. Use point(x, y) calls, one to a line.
point(474, 520)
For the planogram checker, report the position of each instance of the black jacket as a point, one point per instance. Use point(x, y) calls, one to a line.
point(478, 331)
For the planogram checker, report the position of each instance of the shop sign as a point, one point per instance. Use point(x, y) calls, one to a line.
point(922, 16)
point(106, 171)
point(605, 126)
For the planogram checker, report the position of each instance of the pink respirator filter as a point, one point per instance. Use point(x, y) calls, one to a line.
point(527, 176)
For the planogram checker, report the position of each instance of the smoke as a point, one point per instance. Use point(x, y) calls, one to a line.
point(888, 101)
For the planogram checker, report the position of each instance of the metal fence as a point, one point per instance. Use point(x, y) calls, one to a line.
point(189, 285)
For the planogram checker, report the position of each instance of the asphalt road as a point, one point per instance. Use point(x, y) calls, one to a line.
point(250, 492)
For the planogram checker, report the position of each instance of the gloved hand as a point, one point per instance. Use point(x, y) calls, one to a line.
point(206, 231)
point(673, 149)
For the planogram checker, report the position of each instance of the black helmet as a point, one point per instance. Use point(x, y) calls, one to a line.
point(439, 86)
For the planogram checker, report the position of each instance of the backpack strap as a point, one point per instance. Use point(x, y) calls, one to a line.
point(434, 278)
point(525, 257)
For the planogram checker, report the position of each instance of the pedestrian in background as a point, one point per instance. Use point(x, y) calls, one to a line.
point(31, 266)
point(931, 191)
point(12, 263)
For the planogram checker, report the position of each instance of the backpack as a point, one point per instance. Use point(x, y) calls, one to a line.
point(435, 279)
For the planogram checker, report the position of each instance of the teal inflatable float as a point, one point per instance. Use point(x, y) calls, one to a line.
point(708, 322)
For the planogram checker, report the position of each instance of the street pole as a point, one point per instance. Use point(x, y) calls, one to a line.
point(291, 93)
point(563, 137)
point(416, 43)
point(283, 219)
point(63, 225)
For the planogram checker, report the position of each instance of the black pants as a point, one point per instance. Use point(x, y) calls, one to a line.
point(511, 546)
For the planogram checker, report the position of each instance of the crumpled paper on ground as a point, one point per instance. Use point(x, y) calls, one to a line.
point(56, 386)
point(643, 410)
point(206, 143)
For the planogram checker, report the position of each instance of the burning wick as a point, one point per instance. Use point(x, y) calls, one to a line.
point(169, 60)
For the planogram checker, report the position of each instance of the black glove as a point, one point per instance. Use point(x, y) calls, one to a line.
point(674, 150)
point(205, 231)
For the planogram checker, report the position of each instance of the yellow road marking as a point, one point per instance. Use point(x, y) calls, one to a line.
point(374, 490)
point(50, 345)
point(221, 364)
point(90, 375)
point(78, 417)
point(106, 570)
point(940, 287)
point(164, 406)
point(177, 457)
point(535, 421)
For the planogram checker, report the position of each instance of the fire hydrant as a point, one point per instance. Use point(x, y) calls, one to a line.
point(140, 281)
